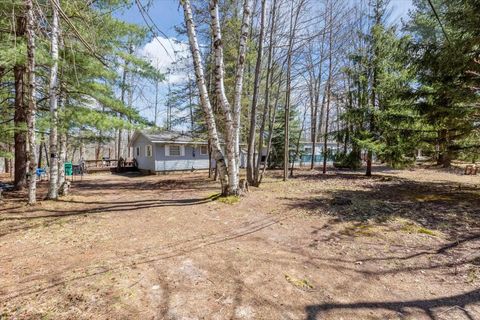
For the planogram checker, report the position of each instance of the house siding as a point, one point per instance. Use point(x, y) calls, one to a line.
point(144, 163)
point(191, 160)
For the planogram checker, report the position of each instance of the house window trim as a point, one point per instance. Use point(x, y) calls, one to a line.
point(148, 147)
point(180, 147)
point(137, 151)
point(200, 151)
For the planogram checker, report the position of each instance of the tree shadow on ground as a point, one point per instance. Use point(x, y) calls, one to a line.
point(122, 206)
point(147, 255)
point(428, 306)
point(452, 209)
point(35, 218)
point(192, 183)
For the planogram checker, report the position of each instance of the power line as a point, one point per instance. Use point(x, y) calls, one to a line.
point(439, 21)
point(144, 13)
point(85, 43)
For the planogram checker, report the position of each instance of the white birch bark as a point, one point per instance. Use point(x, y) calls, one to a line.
point(219, 70)
point(32, 106)
point(204, 98)
point(53, 95)
point(237, 100)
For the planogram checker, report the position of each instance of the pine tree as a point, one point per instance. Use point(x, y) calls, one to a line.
point(445, 56)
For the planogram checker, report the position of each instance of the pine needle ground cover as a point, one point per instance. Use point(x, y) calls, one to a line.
point(404, 245)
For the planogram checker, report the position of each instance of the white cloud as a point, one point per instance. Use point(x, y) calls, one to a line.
point(168, 55)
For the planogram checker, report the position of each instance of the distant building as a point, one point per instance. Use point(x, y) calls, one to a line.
point(169, 151)
point(305, 151)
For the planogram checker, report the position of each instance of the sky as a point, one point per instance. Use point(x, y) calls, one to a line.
point(163, 50)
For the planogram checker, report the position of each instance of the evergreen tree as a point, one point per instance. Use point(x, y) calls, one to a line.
point(446, 57)
point(277, 153)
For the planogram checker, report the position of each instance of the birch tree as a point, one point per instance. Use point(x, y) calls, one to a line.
point(53, 97)
point(32, 105)
point(229, 176)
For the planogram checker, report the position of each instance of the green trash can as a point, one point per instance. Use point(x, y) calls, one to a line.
point(68, 169)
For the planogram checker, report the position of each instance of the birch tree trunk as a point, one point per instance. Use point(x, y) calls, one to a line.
point(237, 101)
point(232, 135)
point(53, 95)
point(204, 97)
point(32, 106)
point(253, 113)
point(228, 175)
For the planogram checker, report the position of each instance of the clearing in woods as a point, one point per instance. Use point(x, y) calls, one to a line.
point(400, 245)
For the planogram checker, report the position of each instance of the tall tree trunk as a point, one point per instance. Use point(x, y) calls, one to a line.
point(444, 156)
point(329, 88)
point(20, 117)
point(53, 95)
point(272, 118)
point(266, 105)
point(232, 129)
point(204, 97)
point(7, 160)
point(317, 89)
point(253, 113)
point(156, 103)
point(297, 145)
point(237, 100)
point(46, 153)
point(190, 105)
point(325, 137)
point(40, 151)
point(293, 28)
point(222, 99)
point(32, 106)
point(123, 90)
point(378, 21)
point(62, 150)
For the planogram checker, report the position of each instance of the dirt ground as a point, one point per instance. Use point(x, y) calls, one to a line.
point(399, 245)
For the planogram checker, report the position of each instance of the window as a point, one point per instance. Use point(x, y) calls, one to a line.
point(148, 150)
point(203, 150)
point(174, 150)
point(308, 150)
point(137, 151)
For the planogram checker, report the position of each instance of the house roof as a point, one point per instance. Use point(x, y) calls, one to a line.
point(170, 137)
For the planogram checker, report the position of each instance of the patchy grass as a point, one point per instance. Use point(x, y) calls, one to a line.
point(229, 199)
point(303, 284)
point(410, 227)
point(361, 229)
point(433, 197)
